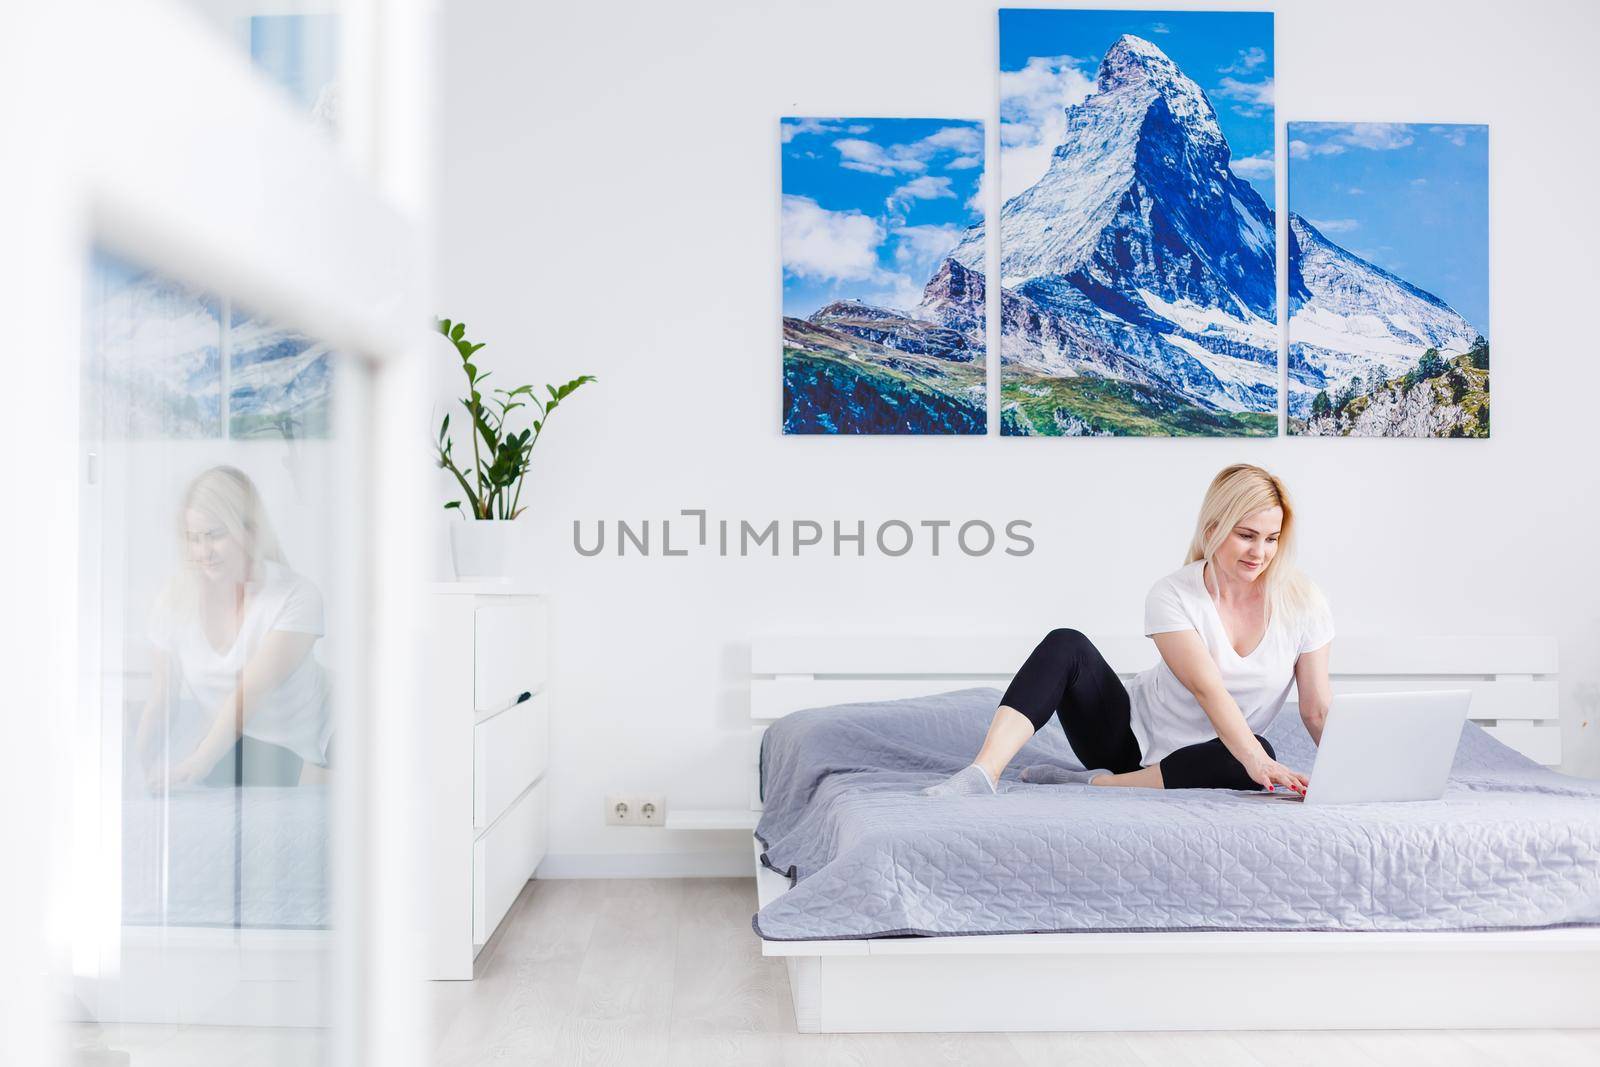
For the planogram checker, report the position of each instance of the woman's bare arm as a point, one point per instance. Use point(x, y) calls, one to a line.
point(1316, 691)
point(150, 724)
point(281, 651)
point(1185, 653)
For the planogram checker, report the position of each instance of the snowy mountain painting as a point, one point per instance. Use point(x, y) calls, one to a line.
point(880, 336)
point(1137, 244)
point(152, 355)
point(281, 383)
point(1388, 280)
point(159, 363)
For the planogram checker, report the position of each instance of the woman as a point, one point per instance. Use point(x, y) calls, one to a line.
point(233, 634)
point(1235, 626)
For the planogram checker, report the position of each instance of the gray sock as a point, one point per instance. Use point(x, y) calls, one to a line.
point(1050, 774)
point(970, 781)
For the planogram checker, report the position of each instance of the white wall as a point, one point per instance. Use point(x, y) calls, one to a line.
point(610, 185)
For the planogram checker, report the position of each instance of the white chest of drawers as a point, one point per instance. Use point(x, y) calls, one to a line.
point(486, 731)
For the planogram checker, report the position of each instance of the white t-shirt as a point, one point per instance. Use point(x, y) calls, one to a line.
point(294, 715)
point(1165, 715)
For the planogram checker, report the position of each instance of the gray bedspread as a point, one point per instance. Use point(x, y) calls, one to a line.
point(251, 857)
point(1511, 844)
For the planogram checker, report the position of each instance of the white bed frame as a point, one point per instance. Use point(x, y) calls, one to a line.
point(1175, 981)
point(234, 976)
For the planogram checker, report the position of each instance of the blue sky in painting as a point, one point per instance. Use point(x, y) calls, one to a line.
point(299, 52)
point(1412, 198)
point(871, 206)
point(1048, 58)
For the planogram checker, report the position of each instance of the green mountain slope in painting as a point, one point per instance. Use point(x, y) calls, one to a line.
point(835, 382)
point(1086, 406)
point(1437, 397)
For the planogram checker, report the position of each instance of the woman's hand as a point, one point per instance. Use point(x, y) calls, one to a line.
point(144, 741)
point(189, 771)
point(1268, 773)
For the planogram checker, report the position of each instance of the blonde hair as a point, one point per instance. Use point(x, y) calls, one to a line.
point(229, 496)
point(1244, 489)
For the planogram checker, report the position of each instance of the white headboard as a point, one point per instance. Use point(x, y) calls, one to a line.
point(1512, 678)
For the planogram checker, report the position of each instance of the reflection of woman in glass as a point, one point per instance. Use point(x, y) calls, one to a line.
point(233, 632)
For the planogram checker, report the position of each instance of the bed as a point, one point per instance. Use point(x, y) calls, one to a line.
point(1072, 908)
point(224, 910)
point(251, 858)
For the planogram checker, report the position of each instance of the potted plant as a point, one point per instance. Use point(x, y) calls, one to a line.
point(492, 484)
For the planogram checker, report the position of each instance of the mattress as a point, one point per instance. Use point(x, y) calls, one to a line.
point(1510, 845)
point(250, 857)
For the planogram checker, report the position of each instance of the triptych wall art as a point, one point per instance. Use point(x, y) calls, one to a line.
point(1138, 252)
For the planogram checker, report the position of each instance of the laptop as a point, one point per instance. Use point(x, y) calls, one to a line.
point(1385, 746)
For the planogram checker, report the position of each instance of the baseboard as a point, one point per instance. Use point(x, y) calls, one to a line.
point(723, 863)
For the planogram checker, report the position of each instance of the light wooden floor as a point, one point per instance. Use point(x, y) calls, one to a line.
point(668, 971)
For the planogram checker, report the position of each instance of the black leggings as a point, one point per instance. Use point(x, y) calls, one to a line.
point(1066, 676)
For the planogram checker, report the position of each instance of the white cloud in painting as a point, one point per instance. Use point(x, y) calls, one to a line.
point(965, 143)
point(898, 291)
point(965, 140)
point(793, 128)
point(1299, 149)
point(1331, 138)
point(1454, 134)
point(1254, 168)
point(1033, 120)
point(873, 158)
point(921, 248)
point(823, 244)
point(926, 187)
point(1379, 135)
point(1418, 183)
point(1252, 98)
point(1247, 60)
point(978, 202)
point(1160, 27)
point(1334, 225)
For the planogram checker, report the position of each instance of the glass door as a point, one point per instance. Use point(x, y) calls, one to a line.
point(214, 264)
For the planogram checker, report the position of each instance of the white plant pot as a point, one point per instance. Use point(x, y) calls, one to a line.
point(481, 548)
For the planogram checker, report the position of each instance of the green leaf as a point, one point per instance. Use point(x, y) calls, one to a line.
point(567, 389)
point(444, 326)
point(453, 504)
point(485, 430)
point(444, 427)
point(458, 331)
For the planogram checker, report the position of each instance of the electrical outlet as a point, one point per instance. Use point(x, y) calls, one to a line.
point(622, 810)
point(652, 810)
